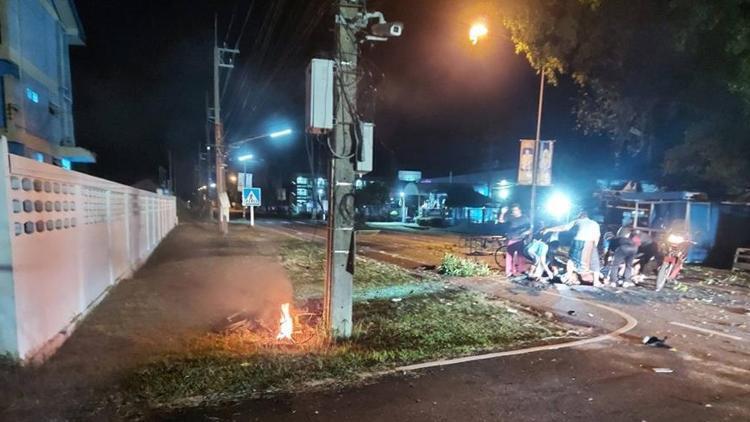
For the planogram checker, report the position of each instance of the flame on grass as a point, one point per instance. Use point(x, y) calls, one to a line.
point(286, 326)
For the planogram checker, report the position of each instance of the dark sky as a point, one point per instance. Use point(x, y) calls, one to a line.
point(441, 104)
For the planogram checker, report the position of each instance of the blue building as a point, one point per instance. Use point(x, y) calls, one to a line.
point(37, 113)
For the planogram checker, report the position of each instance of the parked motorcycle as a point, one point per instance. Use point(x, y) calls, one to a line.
point(676, 248)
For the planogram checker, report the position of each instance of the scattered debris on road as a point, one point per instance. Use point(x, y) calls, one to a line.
point(654, 341)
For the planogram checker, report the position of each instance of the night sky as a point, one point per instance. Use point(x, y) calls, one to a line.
point(440, 103)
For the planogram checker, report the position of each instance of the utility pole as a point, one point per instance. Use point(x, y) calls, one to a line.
point(341, 243)
point(221, 190)
point(207, 153)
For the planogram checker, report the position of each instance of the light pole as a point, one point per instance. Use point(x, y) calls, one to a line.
point(477, 31)
point(244, 159)
point(248, 157)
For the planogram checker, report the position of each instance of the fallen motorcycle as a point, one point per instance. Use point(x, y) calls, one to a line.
point(676, 247)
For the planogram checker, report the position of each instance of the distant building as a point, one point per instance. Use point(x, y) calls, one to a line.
point(308, 194)
point(37, 113)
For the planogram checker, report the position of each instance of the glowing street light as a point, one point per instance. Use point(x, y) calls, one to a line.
point(280, 133)
point(244, 158)
point(559, 205)
point(478, 30)
point(272, 135)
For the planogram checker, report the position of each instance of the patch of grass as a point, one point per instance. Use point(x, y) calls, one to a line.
point(387, 334)
point(455, 266)
point(305, 264)
point(399, 319)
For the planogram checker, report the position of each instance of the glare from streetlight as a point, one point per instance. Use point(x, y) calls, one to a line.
point(233, 178)
point(280, 133)
point(558, 205)
point(478, 30)
point(245, 157)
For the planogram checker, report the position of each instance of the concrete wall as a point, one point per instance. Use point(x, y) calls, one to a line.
point(65, 239)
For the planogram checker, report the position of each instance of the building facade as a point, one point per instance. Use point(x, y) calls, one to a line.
point(36, 89)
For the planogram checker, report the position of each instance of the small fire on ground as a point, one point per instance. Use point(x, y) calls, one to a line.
point(286, 327)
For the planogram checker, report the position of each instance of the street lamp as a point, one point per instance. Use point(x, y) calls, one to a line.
point(272, 135)
point(280, 133)
point(477, 31)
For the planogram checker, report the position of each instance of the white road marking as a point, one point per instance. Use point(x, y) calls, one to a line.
point(706, 330)
point(631, 322)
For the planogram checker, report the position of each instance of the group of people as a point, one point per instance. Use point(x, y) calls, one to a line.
point(537, 250)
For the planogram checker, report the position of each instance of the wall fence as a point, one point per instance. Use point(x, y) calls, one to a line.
point(66, 238)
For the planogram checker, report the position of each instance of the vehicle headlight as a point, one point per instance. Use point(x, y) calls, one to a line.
point(675, 239)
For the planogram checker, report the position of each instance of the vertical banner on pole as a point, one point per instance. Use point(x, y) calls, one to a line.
point(544, 175)
point(244, 180)
point(526, 162)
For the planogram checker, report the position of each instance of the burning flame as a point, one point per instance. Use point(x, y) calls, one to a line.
point(477, 31)
point(285, 324)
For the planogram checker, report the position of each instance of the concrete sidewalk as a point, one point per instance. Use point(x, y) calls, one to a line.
point(194, 279)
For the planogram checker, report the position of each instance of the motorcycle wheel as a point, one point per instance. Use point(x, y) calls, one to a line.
point(664, 271)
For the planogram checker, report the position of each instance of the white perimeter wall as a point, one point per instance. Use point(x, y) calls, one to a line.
point(70, 236)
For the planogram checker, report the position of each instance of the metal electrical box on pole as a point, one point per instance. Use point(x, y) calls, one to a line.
point(319, 90)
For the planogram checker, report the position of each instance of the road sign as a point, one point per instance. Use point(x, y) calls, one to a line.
point(251, 197)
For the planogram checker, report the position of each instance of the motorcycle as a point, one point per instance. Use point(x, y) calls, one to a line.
point(676, 247)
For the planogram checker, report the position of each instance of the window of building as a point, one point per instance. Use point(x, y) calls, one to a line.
point(32, 95)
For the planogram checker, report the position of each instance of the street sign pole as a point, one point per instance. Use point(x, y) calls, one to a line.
point(244, 180)
point(252, 207)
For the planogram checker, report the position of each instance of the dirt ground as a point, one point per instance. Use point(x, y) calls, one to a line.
point(190, 283)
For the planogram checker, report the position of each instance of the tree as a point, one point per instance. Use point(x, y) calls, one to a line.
point(662, 79)
point(459, 196)
point(372, 194)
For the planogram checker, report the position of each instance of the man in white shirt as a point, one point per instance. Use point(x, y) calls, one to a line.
point(583, 251)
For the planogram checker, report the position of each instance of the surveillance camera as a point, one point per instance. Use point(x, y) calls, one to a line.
point(388, 29)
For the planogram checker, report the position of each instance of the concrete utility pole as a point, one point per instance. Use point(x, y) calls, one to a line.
point(221, 189)
point(341, 242)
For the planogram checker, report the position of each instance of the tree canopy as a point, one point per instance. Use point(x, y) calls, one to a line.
point(667, 81)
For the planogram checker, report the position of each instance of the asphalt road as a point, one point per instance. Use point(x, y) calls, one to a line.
point(706, 371)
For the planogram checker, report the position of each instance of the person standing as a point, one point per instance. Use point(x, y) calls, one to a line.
point(518, 227)
point(624, 254)
point(584, 250)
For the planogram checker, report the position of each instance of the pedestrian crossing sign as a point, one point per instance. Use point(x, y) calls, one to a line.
point(251, 197)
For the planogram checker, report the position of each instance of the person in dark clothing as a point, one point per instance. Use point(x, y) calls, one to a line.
point(518, 227)
point(627, 248)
